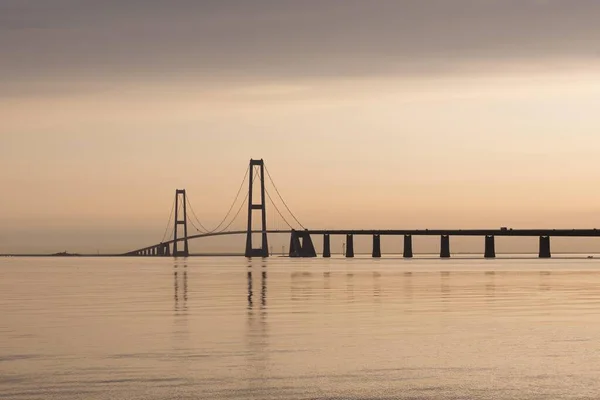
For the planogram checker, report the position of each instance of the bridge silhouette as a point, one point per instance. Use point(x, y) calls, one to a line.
point(301, 243)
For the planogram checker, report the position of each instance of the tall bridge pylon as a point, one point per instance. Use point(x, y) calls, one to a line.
point(257, 167)
point(180, 203)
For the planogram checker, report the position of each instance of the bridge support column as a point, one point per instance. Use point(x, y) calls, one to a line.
point(262, 251)
point(308, 248)
point(295, 245)
point(408, 250)
point(167, 250)
point(301, 245)
point(490, 246)
point(376, 246)
point(180, 196)
point(349, 246)
point(545, 247)
point(326, 246)
point(445, 246)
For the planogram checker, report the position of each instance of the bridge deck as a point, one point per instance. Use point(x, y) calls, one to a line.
point(462, 232)
point(414, 232)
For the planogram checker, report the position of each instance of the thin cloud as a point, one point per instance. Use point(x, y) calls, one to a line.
point(268, 38)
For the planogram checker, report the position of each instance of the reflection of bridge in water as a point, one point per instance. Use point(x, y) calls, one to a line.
point(301, 243)
point(306, 286)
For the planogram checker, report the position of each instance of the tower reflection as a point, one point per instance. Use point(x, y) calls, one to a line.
point(257, 332)
point(263, 290)
point(250, 302)
point(181, 331)
point(180, 291)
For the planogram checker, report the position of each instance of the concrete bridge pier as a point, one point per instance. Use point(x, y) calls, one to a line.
point(445, 246)
point(308, 248)
point(301, 245)
point(408, 250)
point(163, 250)
point(295, 245)
point(545, 247)
point(349, 245)
point(326, 246)
point(490, 246)
point(376, 246)
point(182, 253)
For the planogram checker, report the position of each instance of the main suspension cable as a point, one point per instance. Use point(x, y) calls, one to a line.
point(236, 214)
point(168, 223)
point(195, 227)
point(279, 212)
point(233, 204)
point(255, 174)
point(204, 230)
point(282, 200)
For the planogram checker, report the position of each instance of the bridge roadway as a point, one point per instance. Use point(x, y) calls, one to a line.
point(460, 232)
point(419, 232)
point(489, 234)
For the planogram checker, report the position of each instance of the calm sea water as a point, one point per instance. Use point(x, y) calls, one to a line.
point(227, 328)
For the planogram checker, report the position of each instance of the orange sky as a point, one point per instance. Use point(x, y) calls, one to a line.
point(378, 131)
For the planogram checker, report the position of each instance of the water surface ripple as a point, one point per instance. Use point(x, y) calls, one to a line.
point(229, 328)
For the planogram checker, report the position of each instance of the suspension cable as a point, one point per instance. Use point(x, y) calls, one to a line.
point(279, 212)
point(195, 227)
point(204, 230)
point(277, 222)
point(283, 201)
point(168, 223)
point(237, 195)
point(171, 232)
point(173, 227)
point(236, 214)
point(255, 174)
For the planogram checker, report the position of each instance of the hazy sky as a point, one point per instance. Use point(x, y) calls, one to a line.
point(369, 114)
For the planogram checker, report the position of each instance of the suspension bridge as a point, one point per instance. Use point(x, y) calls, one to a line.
point(175, 241)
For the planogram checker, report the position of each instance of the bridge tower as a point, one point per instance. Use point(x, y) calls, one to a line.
point(262, 251)
point(180, 196)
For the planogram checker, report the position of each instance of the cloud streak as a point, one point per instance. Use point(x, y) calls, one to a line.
point(270, 39)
